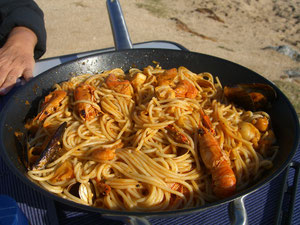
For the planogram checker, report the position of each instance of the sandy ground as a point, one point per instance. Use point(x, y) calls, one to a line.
point(243, 31)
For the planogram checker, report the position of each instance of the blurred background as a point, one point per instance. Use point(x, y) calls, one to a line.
point(263, 35)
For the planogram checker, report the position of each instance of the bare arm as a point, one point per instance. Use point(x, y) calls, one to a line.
point(17, 58)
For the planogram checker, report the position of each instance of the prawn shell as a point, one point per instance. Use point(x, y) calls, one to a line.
point(254, 97)
point(52, 148)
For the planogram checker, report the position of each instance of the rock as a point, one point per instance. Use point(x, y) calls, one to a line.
point(293, 73)
point(286, 50)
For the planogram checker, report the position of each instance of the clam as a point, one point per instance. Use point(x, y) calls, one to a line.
point(254, 97)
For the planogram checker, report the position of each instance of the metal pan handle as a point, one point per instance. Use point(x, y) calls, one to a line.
point(118, 25)
point(129, 220)
point(283, 217)
point(237, 211)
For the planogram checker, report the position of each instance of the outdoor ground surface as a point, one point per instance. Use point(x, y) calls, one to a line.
point(248, 32)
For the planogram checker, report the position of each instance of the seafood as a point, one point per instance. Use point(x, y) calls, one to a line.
point(176, 200)
point(261, 124)
point(106, 153)
point(64, 172)
point(86, 111)
point(206, 122)
point(223, 177)
point(182, 89)
point(255, 130)
point(167, 77)
point(249, 132)
point(52, 148)
point(122, 87)
point(138, 80)
point(143, 152)
point(34, 152)
point(22, 139)
point(252, 97)
point(103, 188)
point(176, 134)
point(164, 92)
point(185, 89)
point(73, 188)
point(265, 143)
point(50, 105)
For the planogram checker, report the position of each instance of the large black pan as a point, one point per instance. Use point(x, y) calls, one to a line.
point(17, 109)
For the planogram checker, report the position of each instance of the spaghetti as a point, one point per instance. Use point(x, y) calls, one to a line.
point(132, 140)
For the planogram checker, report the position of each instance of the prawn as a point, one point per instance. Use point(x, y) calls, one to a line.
point(250, 133)
point(185, 89)
point(261, 124)
point(64, 172)
point(103, 188)
point(138, 80)
point(106, 154)
point(206, 121)
point(50, 105)
point(176, 200)
point(177, 135)
point(122, 87)
point(85, 92)
point(223, 177)
point(167, 77)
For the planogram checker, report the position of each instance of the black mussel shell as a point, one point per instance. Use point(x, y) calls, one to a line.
point(52, 148)
point(74, 189)
point(22, 140)
point(254, 97)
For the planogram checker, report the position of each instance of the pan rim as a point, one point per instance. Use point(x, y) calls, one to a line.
point(249, 190)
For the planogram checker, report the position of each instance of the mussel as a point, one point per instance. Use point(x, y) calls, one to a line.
point(52, 148)
point(22, 140)
point(254, 96)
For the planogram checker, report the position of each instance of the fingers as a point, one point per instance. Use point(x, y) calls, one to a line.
point(11, 78)
point(4, 70)
point(9, 73)
point(15, 61)
point(28, 74)
point(10, 81)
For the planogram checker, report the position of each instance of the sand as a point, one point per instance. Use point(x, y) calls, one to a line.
point(246, 32)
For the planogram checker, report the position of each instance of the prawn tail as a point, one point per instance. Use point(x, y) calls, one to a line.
point(224, 180)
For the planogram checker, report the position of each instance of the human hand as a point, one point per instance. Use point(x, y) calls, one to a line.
point(17, 58)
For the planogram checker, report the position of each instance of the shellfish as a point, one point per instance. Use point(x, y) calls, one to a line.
point(254, 97)
point(52, 148)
